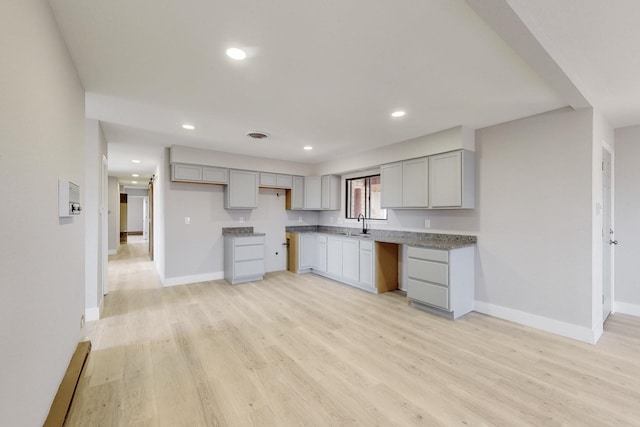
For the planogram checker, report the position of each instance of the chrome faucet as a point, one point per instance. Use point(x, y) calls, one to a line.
point(364, 227)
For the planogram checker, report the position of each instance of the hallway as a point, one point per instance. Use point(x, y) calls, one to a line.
point(303, 350)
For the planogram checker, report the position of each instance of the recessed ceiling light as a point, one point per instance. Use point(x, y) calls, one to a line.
point(136, 161)
point(135, 175)
point(398, 114)
point(308, 147)
point(188, 126)
point(235, 53)
point(134, 182)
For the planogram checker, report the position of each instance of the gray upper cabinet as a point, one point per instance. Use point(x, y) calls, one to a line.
point(441, 181)
point(415, 188)
point(242, 191)
point(312, 192)
point(391, 185)
point(215, 175)
point(404, 184)
point(274, 180)
point(331, 192)
point(451, 180)
point(187, 173)
point(295, 197)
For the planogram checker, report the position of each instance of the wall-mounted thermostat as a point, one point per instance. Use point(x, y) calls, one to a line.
point(68, 198)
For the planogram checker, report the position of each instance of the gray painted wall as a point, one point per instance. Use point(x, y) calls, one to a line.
point(534, 210)
point(41, 256)
point(627, 217)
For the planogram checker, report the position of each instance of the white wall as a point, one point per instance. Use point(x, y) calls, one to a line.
point(194, 252)
point(627, 220)
point(134, 213)
point(114, 215)
point(95, 148)
point(41, 256)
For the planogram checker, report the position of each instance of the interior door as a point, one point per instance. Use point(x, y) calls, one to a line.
point(608, 239)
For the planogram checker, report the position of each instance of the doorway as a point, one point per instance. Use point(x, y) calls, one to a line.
point(608, 238)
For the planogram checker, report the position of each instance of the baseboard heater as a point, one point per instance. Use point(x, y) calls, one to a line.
point(64, 397)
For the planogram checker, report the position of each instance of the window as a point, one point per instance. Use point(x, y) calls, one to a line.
point(363, 197)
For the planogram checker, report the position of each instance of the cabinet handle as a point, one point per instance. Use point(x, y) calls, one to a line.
point(613, 242)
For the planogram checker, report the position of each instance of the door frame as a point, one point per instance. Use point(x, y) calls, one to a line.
point(606, 235)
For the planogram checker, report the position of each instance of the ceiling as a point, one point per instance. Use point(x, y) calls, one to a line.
point(328, 74)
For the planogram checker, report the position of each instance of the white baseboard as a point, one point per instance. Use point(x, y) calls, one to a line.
point(113, 252)
point(627, 308)
point(91, 314)
point(557, 327)
point(184, 280)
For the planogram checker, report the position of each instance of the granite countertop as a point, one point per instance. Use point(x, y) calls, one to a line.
point(425, 240)
point(240, 231)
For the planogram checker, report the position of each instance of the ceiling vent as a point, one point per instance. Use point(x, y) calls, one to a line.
point(257, 135)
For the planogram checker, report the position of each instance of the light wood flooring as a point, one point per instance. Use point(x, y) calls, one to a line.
point(306, 351)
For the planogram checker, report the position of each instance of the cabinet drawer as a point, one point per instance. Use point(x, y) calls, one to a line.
point(428, 293)
point(366, 245)
point(430, 254)
point(249, 252)
point(249, 240)
point(428, 271)
point(249, 268)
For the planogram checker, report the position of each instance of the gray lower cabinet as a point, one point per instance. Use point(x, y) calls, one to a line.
point(242, 190)
point(442, 280)
point(243, 258)
point(307, 251)
point(321, 253)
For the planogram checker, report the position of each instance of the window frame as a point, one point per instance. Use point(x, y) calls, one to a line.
point(367, 204)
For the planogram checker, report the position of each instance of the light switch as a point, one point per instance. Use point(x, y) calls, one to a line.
point(187, 220)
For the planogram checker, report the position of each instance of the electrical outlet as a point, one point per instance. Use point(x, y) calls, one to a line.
point(241, 219)
point(427, 223)
point(187, 220)
point(299, 219)
point(82, 321)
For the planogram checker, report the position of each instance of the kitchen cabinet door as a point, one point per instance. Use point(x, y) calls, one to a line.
point(334, 256)
point(351, 259)
point(451, 180)
point(312, 192)
point(321, 253)
point(242, 190)
point(187, 173)
point(331, 192)
point(391, 185)
point(297, 193)
point(366, 263)
point(215, 175)
point(415, 190)
point(307, 243)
